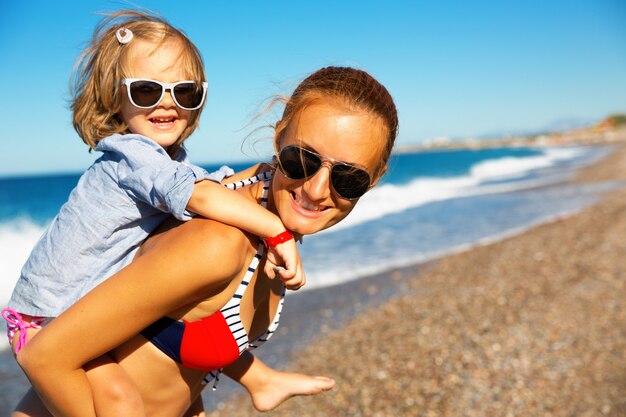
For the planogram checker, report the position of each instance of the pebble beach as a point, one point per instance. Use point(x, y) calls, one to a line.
point(532, 325)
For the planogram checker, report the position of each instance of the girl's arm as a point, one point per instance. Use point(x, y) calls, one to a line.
point(170, 274)
point(211, 200)
point(214, 201)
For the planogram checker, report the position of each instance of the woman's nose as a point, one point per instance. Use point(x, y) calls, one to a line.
point(317, 187)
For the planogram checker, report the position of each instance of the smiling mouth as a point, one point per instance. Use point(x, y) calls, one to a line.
point(307, 205)
point(162, 121)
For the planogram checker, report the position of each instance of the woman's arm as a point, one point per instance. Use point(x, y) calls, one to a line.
point(172, 273)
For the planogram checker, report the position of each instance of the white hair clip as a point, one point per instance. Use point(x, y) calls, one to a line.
point(123, 35)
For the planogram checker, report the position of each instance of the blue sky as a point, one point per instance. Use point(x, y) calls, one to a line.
point(455, 68)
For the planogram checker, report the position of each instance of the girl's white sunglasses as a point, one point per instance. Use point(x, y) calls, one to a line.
point(146, 94)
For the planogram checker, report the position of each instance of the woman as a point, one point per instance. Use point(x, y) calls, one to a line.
point(332, 145)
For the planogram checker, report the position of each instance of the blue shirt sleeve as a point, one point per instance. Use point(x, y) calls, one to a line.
point(218, 176)
point(147, 173)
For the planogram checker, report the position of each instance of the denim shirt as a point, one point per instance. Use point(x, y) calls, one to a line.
point(131, 189)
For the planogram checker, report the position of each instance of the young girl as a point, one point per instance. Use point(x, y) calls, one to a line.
point(139, 91)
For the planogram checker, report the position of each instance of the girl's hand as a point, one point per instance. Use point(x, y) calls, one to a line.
point(283, 261)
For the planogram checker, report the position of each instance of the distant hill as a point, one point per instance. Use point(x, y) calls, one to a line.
point(613, 121)
point(611, 129)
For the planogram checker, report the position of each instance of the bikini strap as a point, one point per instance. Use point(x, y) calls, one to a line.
point(15, 323)
point(231, 311)
point(263, 176)
point(272, 328)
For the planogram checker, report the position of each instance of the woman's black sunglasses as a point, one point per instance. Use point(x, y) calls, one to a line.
point(348, 181)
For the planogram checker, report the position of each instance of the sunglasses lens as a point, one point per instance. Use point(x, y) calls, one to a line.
point(189, 95)
point(298, 163)
point(349, 182)
point(145, 93)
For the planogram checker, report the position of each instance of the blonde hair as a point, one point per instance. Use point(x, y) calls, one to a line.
point(96, 83)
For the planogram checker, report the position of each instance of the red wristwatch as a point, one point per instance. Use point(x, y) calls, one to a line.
point(272, 242)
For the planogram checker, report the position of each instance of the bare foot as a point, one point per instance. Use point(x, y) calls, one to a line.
point(280, 386)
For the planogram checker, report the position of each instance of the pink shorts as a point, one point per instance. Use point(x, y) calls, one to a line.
point(17, 322)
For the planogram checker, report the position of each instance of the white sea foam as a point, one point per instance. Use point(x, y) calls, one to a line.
point(16, 241)
point(388, 198)
point(511, 167)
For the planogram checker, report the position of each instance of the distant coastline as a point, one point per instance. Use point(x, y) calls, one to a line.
point(610, 130)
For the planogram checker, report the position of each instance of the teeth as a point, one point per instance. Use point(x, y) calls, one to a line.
point(162, 120)
point(306, 204)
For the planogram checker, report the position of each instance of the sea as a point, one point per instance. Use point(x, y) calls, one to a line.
point(429, 204)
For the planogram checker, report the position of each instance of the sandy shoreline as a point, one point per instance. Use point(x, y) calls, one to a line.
point(534, 325)
point(530, 325)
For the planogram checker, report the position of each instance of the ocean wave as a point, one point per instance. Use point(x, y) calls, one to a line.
point(515, 167)
point(389, 198)
point(16, 242)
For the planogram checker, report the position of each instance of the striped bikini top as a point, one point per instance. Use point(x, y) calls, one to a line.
point(231, 311)
point(216, 341)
